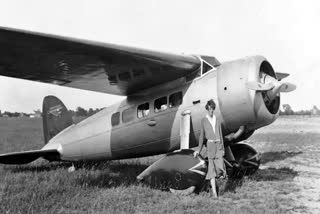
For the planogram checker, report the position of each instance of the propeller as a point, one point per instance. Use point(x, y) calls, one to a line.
point(271, 86)
point(281, 76)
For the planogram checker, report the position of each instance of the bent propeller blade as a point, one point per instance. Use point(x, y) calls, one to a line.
point(257, 86)
point(287, 87)
point(281, 76)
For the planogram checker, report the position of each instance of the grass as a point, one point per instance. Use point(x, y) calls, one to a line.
point(111, 187)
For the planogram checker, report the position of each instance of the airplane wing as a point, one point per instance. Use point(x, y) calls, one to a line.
point(26, 157)
point(88, 65)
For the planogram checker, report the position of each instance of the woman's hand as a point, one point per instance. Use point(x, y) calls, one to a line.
point(230, 137)
point(195, 153)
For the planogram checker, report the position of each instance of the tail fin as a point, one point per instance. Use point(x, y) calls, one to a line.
point(56, 117)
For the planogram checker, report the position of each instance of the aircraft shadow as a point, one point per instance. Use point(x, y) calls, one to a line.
point(273, 174)
point(276, 156)
point(270, 174)
point(37, 168)
point(108, 174)
point(112, 175)
point(103, 174)
point(45, 166)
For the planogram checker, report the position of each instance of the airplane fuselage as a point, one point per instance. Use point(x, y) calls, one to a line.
point(149, 122)
point(156, 133)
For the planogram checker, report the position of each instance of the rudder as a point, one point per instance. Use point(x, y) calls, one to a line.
point(55, 117)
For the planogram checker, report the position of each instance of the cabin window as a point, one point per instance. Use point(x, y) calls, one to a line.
point(175, 99)
point(128, 115)
point(115, 119)
point(125, 76)
point(160, 104)
point(138, 72)
point(112, 79)
point(143, 110)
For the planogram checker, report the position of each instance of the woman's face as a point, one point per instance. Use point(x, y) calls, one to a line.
point(210, 111)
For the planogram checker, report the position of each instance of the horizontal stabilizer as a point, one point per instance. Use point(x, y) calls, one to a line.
point(257, 86)
point(26, 157)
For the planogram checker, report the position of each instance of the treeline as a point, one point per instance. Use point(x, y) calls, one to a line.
point(79, 112)
point(302, 112)
point(287, 110)
point(13, 114)
point(82, 112)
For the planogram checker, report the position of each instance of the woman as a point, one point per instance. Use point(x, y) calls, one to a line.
point(211, 131)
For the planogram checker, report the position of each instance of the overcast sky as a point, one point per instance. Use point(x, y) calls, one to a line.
point(286, 32)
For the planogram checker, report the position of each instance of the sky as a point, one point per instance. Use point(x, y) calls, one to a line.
point(286, 32)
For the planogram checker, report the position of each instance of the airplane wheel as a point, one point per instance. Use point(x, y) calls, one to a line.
point(248, 160)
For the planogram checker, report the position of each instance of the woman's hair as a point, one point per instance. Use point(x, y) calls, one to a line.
point(211, 103)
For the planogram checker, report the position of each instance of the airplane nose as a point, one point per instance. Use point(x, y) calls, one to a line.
point(249, 92)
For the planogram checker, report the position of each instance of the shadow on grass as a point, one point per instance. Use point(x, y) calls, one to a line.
point(113, 174)
point(103, 174)
point(223, 185)
point(88, 165)
point(38, 168)
point(276, 156)
point(272, 174)
point(232, 184)
point(110, 174)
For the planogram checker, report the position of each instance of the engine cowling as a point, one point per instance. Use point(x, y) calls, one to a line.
point(249, 93)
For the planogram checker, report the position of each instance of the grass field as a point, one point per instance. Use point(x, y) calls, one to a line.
point(288, 180)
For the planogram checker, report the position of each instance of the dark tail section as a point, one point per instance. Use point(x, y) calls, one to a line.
point(55, 117)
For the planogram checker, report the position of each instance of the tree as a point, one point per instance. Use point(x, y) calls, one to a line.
point(73, 113)
point(315, 110)
point(81, 112)
point(97, 110)
point(287, 109)
point(90, 112)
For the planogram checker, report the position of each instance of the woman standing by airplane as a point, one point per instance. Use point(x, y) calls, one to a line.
point(211, 131)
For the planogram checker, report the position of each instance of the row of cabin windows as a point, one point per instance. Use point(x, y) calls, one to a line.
point(143, 110)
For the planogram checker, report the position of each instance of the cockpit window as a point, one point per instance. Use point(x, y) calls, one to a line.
point(160, 104)
point(205, 67)
point(175, 99)
point(143, 110)
point(115, 119)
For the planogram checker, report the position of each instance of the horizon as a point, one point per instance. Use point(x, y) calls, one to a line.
point(2, 111)
point(285, 32)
